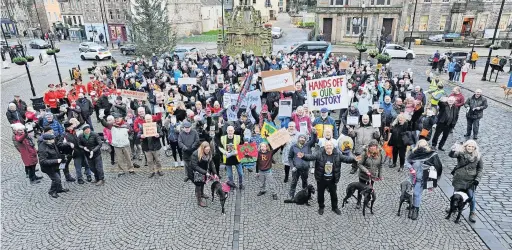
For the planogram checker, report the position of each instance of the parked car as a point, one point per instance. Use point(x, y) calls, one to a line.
point(127, 48)
point(86, 45)
point(458, 56)
point(277, 32)
point(311, 47)
point(97, 53)
point(39, 44)
point(183, 52)
point(397, 51)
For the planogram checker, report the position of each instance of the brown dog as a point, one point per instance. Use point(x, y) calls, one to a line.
point(506, 90)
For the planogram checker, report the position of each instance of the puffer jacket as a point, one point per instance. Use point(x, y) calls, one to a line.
point(421, 160)
point(320, 158)
point(320, 124)
point(372, 165)
point(119, 109)
point(466, 171)
point(195, 166)
point(92, 144)
point(48, 157)
point(120, 135)
point(472, 103)
point(296, 162)
point(15, 117)
point(151, 143)
point(57, 128)
point(65, 148)
point(363, 135)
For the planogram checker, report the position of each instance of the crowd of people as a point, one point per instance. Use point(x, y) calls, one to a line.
point(192, 125)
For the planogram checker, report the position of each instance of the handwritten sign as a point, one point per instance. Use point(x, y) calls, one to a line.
point(352, 120)
point(134, 94)
point(212, 88)
point(231, 114)
point(187, 80)
point(344, 65)
point(279, 138)
point(330, 93)
point(278, 80)
point(149, 129)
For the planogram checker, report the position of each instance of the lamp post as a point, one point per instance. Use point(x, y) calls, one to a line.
point(412, 26)
point(56, 63)
point(474, 34)
point(223, 35)
point(361, 36)
point(484, 76)
point(26, 65)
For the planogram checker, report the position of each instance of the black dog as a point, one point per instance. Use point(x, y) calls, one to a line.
point(303, 196)
point(457, 203)
point(217, 189)
point(405, 196)
point(366, 191)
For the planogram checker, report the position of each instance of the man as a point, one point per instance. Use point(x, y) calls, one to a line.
point(298, 96)
point(476, 105)
point(188, 141)
point(20, 104)
point(91, 142)
point(459, 102)
point(437, 95)
point(299, 166)
point(474, 58)
point(119, 107)
point(68, 145)
point(14, 115)
point(327, 173)
point(52, 122)
point(323, 122)
point(86, 109)
point(228, 146)
point(50, 160)
point(50, 99)
point(121, 143)
point(362, 136)
point(151, 147)
point(446, 119)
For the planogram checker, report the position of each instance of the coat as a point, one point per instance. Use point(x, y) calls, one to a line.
point(15, 116)
point(296, 162)
point(93, 144)
point(188, 143)
point(472, 103)
point(65, 148)
point(420, 160)
point(447, 115)
point(194, 165)
point(397, 133)
point(151, 143)
point(48, 157)
point(363, 135)
point(466, 171)
point(320, 158)
point(85, 107)
point(25, 145)
point(372, 165)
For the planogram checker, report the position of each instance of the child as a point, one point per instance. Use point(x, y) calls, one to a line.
point(264, 170)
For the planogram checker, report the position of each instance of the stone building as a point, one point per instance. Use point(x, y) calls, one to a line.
point(267, 8)
point(185, 15)
point(343, 20)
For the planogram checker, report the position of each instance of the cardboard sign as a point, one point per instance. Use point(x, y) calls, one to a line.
point(220, 78)
point(279, 138)
point(330, 93)
point(344, 65)
point(376, 121)
point(134, 94)
point(285, 108)
point(149, 129)
point(278, 80)
point(352, 120)
point(187, 80)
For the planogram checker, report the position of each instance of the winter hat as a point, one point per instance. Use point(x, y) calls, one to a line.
point(187, 124)
point(67, 124)
point(48, 137)
point(373, 142)
point(47, 128)
point(303, 136)
point(324, 110)
point(86, 126)
point(120, 98)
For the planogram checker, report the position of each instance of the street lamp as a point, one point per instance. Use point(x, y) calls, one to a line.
point(484, 76)
point(413, 17)
point(223, 35)
point(361, 35)
point(56, 63)
point(103, 16)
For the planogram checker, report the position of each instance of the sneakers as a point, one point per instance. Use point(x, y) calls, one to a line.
point(472, 217)
point(81, 181)
point(175, 164)
point(415, 213)
point(320, 211)
point(35, 181)
point(261, 193)
point(337, 211)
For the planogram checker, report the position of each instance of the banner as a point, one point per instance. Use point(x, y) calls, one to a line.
point(247, 152)
point(278, 80)
point(279, 138)
point(330, 93)
point(252, 97)
point(134, 94)
point(267, 129)
point(187, 80)
point(149, 129)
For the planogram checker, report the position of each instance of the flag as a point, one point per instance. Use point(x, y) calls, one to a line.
point(267, 129)
point(327, 52)
point(247, 152)
point(245, 87)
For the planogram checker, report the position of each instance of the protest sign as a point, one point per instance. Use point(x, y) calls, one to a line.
point(187, 80)
point(231, 114)
point(303, 127)
point(134, 94)
point(220, 78)
point(330, 93)
point(285, 108)
point(376, 121)
point(228, 100)
point(344, 65)
point(247, 152)
point(352, 120)
point(212, 87)
point(149, 129)
point(278, 80)
point(279, 138)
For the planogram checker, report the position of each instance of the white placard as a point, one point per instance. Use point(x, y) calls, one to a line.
point(212, 88)
point(432, 174)
point(278, 81)
point(376, 121)
point(226, 101)
point(285, 108)
point(220, 78)
point(303, 127)
point(231, 114)
point(187, 80)
point(407, 94)
point(352, 120)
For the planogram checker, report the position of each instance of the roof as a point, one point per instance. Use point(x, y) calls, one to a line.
point(210, 2)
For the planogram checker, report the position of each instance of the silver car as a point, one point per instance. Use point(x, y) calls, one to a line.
point(277, 32)
point(183, 52)
point(39, 44)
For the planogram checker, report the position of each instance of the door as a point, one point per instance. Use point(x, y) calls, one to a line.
point(467, 26)
point(327, 29)
point(387, 29)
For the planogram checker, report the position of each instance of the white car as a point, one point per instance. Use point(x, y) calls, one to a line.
point(98, 53)
point(397, 51)
point(86, 45)
point(277, 32)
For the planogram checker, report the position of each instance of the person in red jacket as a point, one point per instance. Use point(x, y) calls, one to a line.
point(80, 88)
point(50, 99)
point(90, 85)
point(459, 102)
point(61, 93)
point(72, 96)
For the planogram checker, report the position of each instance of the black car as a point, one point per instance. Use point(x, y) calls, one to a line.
point(127, 49)
point(39, 44)
point(311, 47)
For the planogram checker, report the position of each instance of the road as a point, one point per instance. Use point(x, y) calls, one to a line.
point(135, 212)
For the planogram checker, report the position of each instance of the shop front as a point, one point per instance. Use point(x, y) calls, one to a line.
point(117, 31)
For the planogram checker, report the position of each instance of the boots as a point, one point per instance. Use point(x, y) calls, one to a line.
point(415, 213)
point(472, 217)
point(204, 195)
point(200, 201)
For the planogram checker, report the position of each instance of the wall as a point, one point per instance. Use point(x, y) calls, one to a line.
point(52, 9)
point(211, 17)
point(260, 5)
point(185, 15)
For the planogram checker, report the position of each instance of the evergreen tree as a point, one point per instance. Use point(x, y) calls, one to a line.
point(150, 28)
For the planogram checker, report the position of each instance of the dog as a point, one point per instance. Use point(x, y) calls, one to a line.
point(458, 201)
point(366, 191)
point(222, 190)
point(303, 196)
point(507, 91)
point(405, 196)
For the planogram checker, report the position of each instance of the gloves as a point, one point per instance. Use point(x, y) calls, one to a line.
point(294, 169)
point(92, 153)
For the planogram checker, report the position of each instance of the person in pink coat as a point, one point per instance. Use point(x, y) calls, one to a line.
point(25, 145)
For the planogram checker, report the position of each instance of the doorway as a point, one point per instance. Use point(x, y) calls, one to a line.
point(387, 29)
point(467, 26)
point(327, 29)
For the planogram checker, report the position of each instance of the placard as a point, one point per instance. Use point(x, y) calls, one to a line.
point(231, 114)
point(149, 129)
point(344, 65)
point(134, 94)
point(247, 152)
point(226, 101)
point(187, 80)
point(279, 138)
point(220, 78)
point(330, 93)
point(303, 126)
point(211, 88)
point(352, 120)
point(278, 80)
point(376, 121)
point(285, 108)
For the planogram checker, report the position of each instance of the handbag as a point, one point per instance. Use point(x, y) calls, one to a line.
point(198, 177)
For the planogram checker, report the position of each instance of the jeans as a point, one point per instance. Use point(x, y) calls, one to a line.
point(79, 163)
point(417, 192)
point(56, 182)
point(331, 186)
point(456, 76)
point(473, 124)
point(96, 165)
point(472, 205)
point(229, 170)
point(89, 121)
point(175, 149)
point(303, 174)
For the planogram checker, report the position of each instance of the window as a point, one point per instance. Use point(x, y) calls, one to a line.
point(442, 22)
point(339, 2)
point(504, 21)
point(118, 14)
point(380, 2)
point(74, 20)
point(407, 23)
point(427, 1)
point(253, 1)
point(482, 21)
point(423, 23)
point(55, 15)
point(111, 14)
point(446, 1)
point(80, 20)
point(354, 25)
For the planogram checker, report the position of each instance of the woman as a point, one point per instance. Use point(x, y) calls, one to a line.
point(202, 166)
point(25, 145)
point(419, 163)
point(396, 140)
point(468, 172)
point(370, 165)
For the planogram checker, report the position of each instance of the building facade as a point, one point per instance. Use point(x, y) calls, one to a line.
point(185, 16)
point(267, 8)
point(343, 20)
point(211, 15)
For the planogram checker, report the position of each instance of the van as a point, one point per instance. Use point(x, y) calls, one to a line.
point(311, 47)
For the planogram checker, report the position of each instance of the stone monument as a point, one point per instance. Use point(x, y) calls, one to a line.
point(245, 32)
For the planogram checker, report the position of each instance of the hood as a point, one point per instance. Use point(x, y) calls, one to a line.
point(421, 154)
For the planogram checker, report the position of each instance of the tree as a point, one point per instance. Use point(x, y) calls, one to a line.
point(150, 27)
